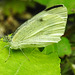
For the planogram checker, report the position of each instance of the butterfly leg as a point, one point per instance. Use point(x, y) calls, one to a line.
point(24, 54)
point(8, 55)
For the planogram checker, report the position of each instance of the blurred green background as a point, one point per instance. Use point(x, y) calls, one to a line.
point(15, 12)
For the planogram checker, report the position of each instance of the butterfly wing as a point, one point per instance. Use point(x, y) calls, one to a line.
point(45, 28)
point(60, 10)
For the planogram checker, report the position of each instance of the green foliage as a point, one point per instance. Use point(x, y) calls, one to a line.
point(14, 6)
point(62, 47)
point(73, 38)
point(49, 49)
point(44, 2)
point(68, 67)
point(18, 64)
point(70, 4)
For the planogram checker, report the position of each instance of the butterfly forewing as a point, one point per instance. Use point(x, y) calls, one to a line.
point(60, 10)
point(43, 29)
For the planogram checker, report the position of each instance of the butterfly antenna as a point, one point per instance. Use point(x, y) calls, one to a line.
point(8, 55)
point(24, 54)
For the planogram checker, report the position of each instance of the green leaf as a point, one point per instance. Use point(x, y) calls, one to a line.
point(18, 64)
point(70, 4)
point(63, 47)
point(49, 49)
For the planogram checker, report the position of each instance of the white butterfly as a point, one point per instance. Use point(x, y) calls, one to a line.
point(43, 29)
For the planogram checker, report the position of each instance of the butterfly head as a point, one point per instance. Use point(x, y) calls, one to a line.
point(7, 38)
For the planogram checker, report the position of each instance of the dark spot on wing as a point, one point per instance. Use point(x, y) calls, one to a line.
point(41, 20)
point(54, 7)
